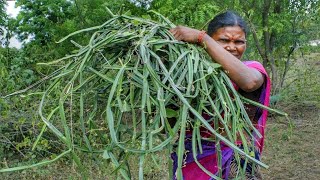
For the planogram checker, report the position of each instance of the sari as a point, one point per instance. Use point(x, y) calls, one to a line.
point(208, 158)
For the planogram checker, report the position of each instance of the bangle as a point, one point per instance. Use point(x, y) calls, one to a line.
point(201, 36)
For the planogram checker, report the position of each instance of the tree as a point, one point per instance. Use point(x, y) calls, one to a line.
point(3, 18)
point(283, 26)
point(38, 19)
point(2, 11)
point(43, 23)
point(187, 12)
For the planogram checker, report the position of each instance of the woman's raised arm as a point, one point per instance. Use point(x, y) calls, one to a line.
point(246, 78)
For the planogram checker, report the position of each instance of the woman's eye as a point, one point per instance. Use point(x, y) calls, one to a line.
point(239, 42)
point(224, 40)
point(236, 42)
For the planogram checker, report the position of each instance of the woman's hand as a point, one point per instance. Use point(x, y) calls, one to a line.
point(186, 34)
point(246, 78)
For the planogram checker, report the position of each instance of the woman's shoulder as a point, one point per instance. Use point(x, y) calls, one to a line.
point(249, 62)
point(255, 64)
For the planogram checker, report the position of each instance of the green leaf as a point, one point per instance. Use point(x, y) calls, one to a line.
point(171, 113)
point(106, 154)
point(214, 65)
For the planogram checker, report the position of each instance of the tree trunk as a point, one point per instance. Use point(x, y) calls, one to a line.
point(292, 49)
point(266, 34)
point(286, 67)
point(256, 40)
point(269, 59)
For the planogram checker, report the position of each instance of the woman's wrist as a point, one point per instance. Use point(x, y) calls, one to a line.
point(204, 40)
point(201, 36)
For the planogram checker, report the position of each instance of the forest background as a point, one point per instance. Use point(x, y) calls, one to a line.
point(280, 36)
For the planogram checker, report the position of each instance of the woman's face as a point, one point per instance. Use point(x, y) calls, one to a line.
point(232, 39)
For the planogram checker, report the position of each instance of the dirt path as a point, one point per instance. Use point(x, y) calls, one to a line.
point(294, 153)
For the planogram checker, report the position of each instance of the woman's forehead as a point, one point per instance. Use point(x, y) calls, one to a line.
point(230, 31)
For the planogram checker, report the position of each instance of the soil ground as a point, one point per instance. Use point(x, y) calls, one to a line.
point(293, 152)
point(292, 147)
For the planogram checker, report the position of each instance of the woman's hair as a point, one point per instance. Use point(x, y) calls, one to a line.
point(228, 18)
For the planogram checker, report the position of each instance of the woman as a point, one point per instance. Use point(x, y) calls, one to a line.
point(225, 42)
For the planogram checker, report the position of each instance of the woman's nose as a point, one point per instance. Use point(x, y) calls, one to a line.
point(230, 47)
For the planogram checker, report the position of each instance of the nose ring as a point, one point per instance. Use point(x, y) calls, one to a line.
point(228, 48)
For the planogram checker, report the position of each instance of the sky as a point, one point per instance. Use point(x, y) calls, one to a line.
point(13, 12)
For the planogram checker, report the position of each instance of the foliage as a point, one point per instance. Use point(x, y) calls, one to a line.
point(40, 19)
point(17, 71)
point(2, 12)
point(3, 19)
point(91, 13)
point(304, 73)
point(187, 12)
point(40, 24)
point(279, 31)
point(18, 124)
